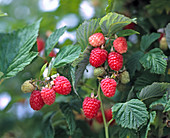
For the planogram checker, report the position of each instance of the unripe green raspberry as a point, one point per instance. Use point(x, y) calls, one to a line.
point(163, 44)
point(124, 77)
point(27, 86)
point(99, 71)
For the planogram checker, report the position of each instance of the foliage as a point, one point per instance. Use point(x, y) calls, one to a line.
point(140, 108)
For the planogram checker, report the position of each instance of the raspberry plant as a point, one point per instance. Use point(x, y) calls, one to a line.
point(129, 94)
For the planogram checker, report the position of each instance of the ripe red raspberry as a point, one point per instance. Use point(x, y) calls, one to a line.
point(97, 39)
point(98, 57)
point(108, 87)
point(120, 45)
point(36, 100)
point(48, 96)
point(40, 44)
point(52, 54)
point(99, 117)
point(108, 115)
point(130, 26)
point(115, 61)
point(91, 107)
point(62, 85)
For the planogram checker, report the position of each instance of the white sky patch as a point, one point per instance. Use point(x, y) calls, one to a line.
point(5, 98)
point(49, 5)
point(89, 72)
point(86, 10)
point(5, 2)
point(68, 35)
point(70, 20)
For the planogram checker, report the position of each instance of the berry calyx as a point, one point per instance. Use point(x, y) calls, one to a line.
point(36, 101)
point(40, 44)
point(91, 107)
point(108, 87)
point(27, 86)
point(97, 39)
point(120, 45)
point(62, 85)
point(48, 96)
point(97, 57)
point(115, 61)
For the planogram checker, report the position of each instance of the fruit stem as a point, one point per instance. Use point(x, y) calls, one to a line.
point(110, 122)
point(102, 110)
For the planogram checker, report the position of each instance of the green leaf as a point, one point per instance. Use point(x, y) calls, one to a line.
point(145, 79)
point(110, 6)
point(167, 107)
point(47, 128)
point(69, 116)
point(66, 55)
point(84, 61)
point(152, 116)
point(114, 22)
point(160, 102)
point(127, 32)
point(53, 39)
point(1, 74)
point(155, 61)
point(42, 69)
point(133, 63)
point(132, 114)
point(73, 77)
point(19, 64)
point(85, 30)
point(167, 32)
point(127, 133)
point(15, 49)
point(147, 40)
point(153, 91)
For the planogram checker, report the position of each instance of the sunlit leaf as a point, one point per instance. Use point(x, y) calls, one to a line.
point(66, 55)
point(15, 49)
point(114, 22)
point(132, 114)
point(53, 39)
point(155, 61)
point(85, 30)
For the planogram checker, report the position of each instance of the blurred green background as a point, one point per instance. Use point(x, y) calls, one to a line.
point(17, 119)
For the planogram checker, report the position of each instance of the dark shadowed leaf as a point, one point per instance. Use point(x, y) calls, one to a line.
point(47, 128)
point(153, 91)
point(133, 63)
point(69, 116)
point(147, 40)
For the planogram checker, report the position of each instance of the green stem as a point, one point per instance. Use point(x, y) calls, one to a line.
point(102, 110)
point(110, 122)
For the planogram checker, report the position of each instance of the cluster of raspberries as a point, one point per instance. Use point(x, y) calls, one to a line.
point(98, 57)
point(47, 95)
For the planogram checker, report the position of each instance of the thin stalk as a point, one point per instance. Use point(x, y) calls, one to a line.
point(102, 110)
